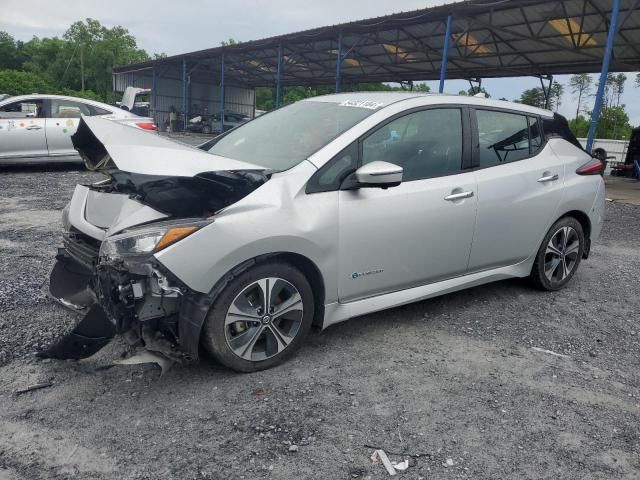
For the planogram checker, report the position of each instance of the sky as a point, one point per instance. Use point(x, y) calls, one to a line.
point(174, 26)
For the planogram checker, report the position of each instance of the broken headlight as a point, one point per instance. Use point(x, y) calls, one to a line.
point(142, 241)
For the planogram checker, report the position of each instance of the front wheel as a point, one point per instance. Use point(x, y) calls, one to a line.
point(261, 317)
point(559, 255)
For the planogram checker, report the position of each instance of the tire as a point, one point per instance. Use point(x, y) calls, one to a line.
point(258, 339)
point(206, 129)
point(559, 255)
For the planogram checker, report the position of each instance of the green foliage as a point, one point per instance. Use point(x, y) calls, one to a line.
point(579, 126)
point(533, 97)
point(536, 98)
point(613, 124)
point(80, 61)
point(8, 51)
point(14, 82)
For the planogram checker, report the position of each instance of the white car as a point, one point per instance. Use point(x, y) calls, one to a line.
point(38, 128)
point(317, 212)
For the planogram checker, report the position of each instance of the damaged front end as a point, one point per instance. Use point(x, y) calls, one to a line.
point(107, 268)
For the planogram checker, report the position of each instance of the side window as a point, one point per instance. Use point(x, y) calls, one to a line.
point(535, 135)
point(68, 109)
point(333, 173)
point(426, 144)
point(22, 109)
point(503, 137)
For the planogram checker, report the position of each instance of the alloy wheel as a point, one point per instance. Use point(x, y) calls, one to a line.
point(561, 254)
point(263, 319)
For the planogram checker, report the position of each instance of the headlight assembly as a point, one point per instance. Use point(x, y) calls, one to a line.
point(141, 241)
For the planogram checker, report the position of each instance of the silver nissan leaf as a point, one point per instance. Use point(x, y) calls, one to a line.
point(330, 208)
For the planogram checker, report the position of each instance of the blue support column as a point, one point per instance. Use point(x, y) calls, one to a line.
point(445, 55)
point(279, 77)
point(184, 94)
point(154, 94)
point(222, 93)
point(595, 115)
point(339, 64)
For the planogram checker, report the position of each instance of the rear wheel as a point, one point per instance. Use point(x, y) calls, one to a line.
point(559, 255)
point(260, 318)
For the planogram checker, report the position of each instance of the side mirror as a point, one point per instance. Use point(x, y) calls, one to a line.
point(374, 174)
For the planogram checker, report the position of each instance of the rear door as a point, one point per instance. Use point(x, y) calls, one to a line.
point(420, 231)
point(64, 117)
point(22, 129)
point(520, 186)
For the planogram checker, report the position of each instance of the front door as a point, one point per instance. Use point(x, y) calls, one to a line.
point(22, 129)
point(420, 231)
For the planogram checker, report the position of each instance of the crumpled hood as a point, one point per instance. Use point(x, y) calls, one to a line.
point(104, 144)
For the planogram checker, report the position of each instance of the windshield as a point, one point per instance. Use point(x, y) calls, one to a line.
point(285, 137)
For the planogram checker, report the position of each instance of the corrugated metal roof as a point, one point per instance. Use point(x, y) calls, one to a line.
point(489, 39)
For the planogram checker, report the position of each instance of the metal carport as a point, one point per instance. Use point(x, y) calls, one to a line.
point(466, 40)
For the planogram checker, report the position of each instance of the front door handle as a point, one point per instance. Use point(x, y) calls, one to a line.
point(33, 127)
point(548, 178)
point(458, 196)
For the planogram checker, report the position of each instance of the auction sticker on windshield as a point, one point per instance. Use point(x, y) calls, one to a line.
point(371, 105)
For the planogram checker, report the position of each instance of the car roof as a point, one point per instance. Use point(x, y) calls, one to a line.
point(384, 99)
point(41, 96)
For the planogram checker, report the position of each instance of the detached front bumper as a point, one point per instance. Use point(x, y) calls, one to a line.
point(137, 298)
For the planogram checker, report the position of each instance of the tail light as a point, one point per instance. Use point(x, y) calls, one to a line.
point(147, 125)
point(592, 167)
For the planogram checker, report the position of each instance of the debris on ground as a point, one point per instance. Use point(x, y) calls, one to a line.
point(401, 466)
point(293, 448)
point(146, 356)
point(380, 455)
point(549, 352)
point(36, 386)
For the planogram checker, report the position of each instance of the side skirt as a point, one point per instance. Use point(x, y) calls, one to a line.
point(339, 312)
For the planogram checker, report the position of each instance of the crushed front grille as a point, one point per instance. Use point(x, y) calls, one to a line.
point(81, 247)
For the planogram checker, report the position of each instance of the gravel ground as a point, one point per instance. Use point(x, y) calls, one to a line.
point(453, 381)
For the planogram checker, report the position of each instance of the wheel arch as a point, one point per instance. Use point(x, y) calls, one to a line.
point(585, 222)
point(196, 306)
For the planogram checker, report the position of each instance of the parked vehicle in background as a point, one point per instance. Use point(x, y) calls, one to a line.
point(38, 128)
point(323, 210)
point(136, 100)
point(211, 123)
point(631, 165)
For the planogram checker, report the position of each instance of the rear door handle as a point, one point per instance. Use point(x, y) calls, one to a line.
point(33, 127)
point(458, 196)
point(548, 178)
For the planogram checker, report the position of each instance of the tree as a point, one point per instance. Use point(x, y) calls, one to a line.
point(579, 126)
point(614, 124)
point(15, 82)
point(536, 96)
point(557, 90)
point(533, 97)
point(581, 85)
point(8, 51)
